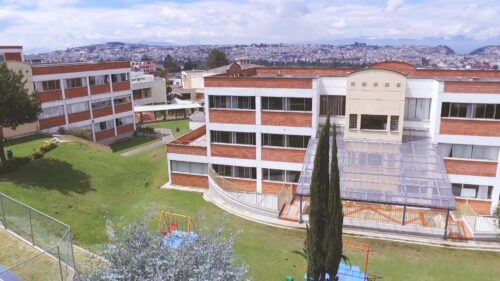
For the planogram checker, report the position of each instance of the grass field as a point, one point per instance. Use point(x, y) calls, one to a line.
point(183, 126)
point(83, 187)
point(132, 143)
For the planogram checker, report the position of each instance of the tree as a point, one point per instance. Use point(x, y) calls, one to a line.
point(216, 58)
point(17, 106)
point(334, 215)
point(136, 253)
point(170, 64)
point(496, 213)
point(314, 245)
point(189, 65)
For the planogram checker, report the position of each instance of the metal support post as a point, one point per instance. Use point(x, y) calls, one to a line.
point(404, 215)
point(31, 227)
point(446, 224)
point(300, 210)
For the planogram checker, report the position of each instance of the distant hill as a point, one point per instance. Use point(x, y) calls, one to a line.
point(487, 50)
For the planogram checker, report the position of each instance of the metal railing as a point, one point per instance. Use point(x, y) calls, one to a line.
point(50, 237)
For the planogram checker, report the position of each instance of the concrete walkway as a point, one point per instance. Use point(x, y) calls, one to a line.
point(143, 148)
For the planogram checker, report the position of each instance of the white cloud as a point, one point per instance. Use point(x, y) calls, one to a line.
point(61, 23)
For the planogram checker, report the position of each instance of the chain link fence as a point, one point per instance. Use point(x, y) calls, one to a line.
point(52, 238)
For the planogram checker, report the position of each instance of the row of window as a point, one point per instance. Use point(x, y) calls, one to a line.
point(51, 85)
point(467, 151)
point(235, 171)
point(331, 105)
point(472, 191)
point(268, 103)
point(470, 110)
point(56, 111)
point(110, 124)
point(267, 139)
point(375, 84)
point(374, 122)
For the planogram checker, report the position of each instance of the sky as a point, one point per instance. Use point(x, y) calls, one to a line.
point(41, 25)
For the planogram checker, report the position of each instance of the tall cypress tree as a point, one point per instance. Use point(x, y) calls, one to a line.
point(314, 246)
point(335, 217)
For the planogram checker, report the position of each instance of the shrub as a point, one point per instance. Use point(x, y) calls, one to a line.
point(37, 154)
point(84, 134)
point(44, 148)
point(13, 163)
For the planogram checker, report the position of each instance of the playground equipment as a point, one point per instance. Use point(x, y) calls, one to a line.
point(170, 222)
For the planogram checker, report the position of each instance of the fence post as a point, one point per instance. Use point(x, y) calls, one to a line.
point(446, 224)
point(31, 228)
point(4, 220)
point(404, 215)
point(59, 259)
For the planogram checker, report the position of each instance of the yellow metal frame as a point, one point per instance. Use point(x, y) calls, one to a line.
point(168, 220)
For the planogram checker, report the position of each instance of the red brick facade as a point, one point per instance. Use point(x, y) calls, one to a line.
point(121, 86)
point(289, 119)
point(244, 184)
point(105, 111)
point(55, 69)
point(233, 151)
point(13, 57)
point(481, 207)
point(472, 87)
point(254, 82)
point(271, 187)
point(79, 116)
point(109, 133)
point(52, 122)
point(50, 96)
point(120, 130)
point(76, 92)
point(470, 127)
point(124, 107)
point(189, 180)
point(471, 168)
point(186, 149)
point(232, 116)
point(283, 154)
point(100, 89)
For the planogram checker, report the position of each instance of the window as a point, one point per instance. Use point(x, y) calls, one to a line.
point(333, 105)
point(387, 84)
point(417, 109)
point(74, 83)
point(78, 107)
point(480, 152)
point(373, 122)
point(285, 140)
point(398, 85)
point(189, 167)
point(101, 103)
point(472, 191)
point(286, 104)
point(375, 84)
point(232, 137)
point(363, 84)
point(280, 175)
point(105, 125)
point(353, 84)
point(99, 80)
point(232, 102)
point(124, 121)
point(122, 99)
point(50, 112)
point(394, 123)
point(2, 58)
point(353, 121)
point(117, 78)
point(49, 85)
point(476, 111)
point(235, 171)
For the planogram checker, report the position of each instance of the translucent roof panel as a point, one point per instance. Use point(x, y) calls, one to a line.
point(410, 173)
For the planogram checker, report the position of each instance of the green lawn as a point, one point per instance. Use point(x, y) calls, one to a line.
point(83, 187)
point(183, 126)
point(24, 146)
point(132, 143)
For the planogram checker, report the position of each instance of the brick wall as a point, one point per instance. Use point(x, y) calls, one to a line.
point(470, 127)
point(109, 133)
point(13, 57)
point(254, 82)
point(105, 111)
point(186, 149)
point(283, 154)
point(270, 187)
point(189, 180)
point(50, 96)
point(232, 116)
point(76, 92)
point(191, 136)
point(54, 69)
point(305, 71)
point(52, 122)
point(79, 116)
point(233, 151)
point(482, 207)
point(124, 107)
point(244, 184)
point(100, 89)
point(121, 86)
point(471, 168)
point(125, 129)
point(472, 87)
point(290, 119)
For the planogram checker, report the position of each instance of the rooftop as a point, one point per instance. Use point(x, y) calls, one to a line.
point(410, 173)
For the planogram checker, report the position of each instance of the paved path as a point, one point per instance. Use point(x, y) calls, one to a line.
point(143, 148)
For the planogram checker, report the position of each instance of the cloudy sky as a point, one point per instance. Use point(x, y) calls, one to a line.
point(57, 24)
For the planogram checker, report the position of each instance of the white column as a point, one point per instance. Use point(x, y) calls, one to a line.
point(496, 189)
point(435, 114)
point(315, 107)
point(61, 83)
point(258, 141)
point(113, 108)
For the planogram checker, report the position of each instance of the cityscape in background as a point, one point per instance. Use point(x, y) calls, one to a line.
point(318, 55)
